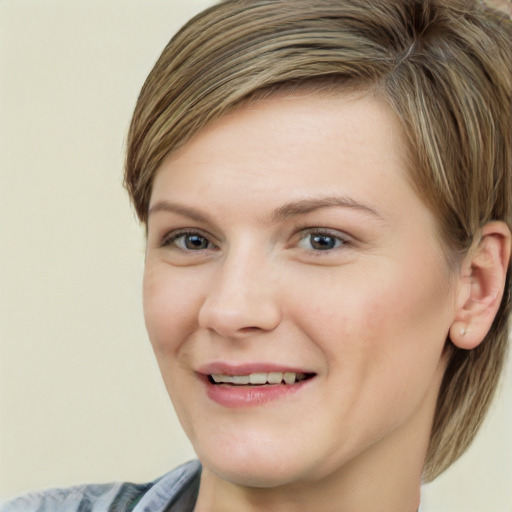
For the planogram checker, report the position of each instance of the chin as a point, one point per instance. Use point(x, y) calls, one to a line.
point(265, 464)
point(255, 474)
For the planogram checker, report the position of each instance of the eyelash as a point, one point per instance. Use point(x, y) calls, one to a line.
point(339, 239)
point(173, 237)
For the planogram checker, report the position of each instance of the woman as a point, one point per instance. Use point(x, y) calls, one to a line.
point(326, 188)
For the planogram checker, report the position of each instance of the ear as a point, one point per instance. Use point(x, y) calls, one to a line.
point(482, 282)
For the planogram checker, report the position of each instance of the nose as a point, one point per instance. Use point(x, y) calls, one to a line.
point(241, 299)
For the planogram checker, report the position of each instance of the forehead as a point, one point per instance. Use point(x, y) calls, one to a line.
point(307, 135)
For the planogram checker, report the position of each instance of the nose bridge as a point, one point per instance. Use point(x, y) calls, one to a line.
point(242, 294)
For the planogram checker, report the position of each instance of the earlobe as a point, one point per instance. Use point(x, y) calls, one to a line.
point(483, 277)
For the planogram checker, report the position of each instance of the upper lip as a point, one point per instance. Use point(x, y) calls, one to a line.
point(225, 368)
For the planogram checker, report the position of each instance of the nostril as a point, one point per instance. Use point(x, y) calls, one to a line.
point(249, 329)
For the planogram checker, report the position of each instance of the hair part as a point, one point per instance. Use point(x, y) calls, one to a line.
point(444, 67)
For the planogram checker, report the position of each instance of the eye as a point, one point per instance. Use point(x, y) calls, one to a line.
point(188, 241)
point(321, 241)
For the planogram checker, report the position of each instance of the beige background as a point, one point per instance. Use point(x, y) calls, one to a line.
point(81, 398)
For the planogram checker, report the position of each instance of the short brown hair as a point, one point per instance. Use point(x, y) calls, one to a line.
point(444, 66)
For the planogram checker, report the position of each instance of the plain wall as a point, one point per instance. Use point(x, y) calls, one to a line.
point(81, 398)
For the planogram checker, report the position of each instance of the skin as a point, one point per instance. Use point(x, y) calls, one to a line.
point(369, 316)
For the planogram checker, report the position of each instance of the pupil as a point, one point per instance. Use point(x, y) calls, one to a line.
point(195, 242)
point(323, 242)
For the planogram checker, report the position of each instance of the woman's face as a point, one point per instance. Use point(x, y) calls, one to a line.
point(290, 260)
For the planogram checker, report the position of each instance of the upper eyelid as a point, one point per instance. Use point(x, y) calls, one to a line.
point(342, 235)
point(174, 234)
point(315, 229)
point(347, 241)
point(299, 233)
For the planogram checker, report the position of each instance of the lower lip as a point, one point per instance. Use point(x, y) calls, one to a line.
point(250, 396)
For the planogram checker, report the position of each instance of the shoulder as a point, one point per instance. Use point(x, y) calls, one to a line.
point(69, 499)
point(119, 497)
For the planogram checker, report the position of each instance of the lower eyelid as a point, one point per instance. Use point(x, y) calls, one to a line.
point(172, 237)
point(341, 240)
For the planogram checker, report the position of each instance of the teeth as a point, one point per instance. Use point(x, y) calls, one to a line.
point(274, 377)
point(290, 377)
point(258, 378)
point(241, 379)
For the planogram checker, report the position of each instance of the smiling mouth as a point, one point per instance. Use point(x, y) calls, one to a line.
point(260, 378)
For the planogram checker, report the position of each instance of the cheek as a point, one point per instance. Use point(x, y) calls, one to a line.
point(169, 308)
point(396, 314)
point(403, 324)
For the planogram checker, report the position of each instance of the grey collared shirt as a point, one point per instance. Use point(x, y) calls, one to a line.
point(174, 492)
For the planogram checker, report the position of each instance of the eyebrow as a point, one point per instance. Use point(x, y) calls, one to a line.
point(288, 210)
point(308, 205)
point(180, 209)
